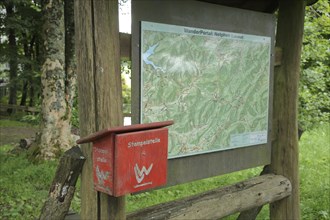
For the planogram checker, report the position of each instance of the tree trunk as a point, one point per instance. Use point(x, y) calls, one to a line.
point(31, 95)
point(55, 124)
point(35, 81)
point(24, 93)
point(70, 63)
point(28, 51)
point(12, 60)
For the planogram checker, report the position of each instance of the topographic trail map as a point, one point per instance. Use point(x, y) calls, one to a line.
point(213, 84)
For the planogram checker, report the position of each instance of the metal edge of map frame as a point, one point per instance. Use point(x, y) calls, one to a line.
point(204, 15)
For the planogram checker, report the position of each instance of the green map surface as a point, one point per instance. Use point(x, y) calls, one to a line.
point(213, 84)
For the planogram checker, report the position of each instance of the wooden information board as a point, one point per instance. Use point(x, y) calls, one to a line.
point(209, 68)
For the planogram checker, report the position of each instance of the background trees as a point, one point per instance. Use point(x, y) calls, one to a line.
point(21, 50)
point(314, 95)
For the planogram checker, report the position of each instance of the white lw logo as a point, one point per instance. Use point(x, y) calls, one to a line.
point(139, 174)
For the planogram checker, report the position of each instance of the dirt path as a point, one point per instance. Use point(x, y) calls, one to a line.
point(12, 135)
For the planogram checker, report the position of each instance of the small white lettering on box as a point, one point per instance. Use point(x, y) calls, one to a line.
point(142, 143)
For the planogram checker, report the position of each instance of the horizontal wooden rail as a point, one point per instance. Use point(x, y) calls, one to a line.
point(19, 107)
point(221, 202)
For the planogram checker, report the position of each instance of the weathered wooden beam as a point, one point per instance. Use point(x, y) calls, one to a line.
point(221, 202)
point(63, 187)
point(99, 88)
point(252, 214)
point(278, 56)
point(285, 150)
point(125, 46)
point(86, 89)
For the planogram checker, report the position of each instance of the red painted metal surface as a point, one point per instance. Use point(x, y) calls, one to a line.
point(142, 160)
point(129, 159)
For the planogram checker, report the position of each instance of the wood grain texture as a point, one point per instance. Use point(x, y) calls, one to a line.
point(285, 151)
point(278, 56)
point(99, 87)
point(221, 202)
point(108, 86)
point(85, 77)
point(252, 214)
point(63, 186)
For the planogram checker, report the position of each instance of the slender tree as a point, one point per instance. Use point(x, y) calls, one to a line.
point(70, 63)
point(13, 65)
point(19, 31)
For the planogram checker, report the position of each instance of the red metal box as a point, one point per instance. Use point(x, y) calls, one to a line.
point(129, 159)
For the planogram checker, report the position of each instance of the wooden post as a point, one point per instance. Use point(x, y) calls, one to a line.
point(99, 87)
point(64, 185)
point(285, 151)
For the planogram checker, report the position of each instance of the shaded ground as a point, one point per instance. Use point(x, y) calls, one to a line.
point(12, 135)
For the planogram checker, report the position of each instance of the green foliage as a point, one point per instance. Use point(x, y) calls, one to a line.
point(315, 173)
point(126, 87)
point(31, 119)
point(25, 24)
point(75, 112)
point(75, 117)
point(23, 186)
point(314, 96)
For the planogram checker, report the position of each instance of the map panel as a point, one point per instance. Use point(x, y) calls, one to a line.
point(213, 84)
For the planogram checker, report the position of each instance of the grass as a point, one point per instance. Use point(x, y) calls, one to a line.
point(315, 174)
point(11, 123)
point(24, 186)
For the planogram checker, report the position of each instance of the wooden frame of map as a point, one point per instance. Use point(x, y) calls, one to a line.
point(209, 68)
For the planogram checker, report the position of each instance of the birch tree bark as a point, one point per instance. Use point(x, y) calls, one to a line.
point(55, 126)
